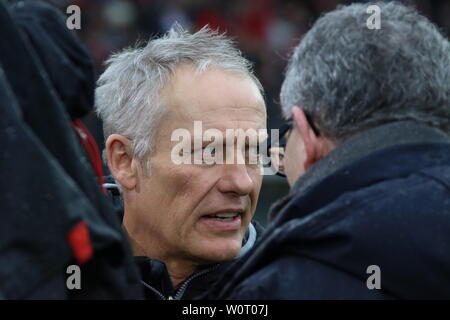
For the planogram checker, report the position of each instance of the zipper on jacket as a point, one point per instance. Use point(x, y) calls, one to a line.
point(185, 284)
point(159, 294)
point(183, 287)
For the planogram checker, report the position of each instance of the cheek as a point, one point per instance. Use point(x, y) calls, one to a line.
point(190, 186)
point(257, 178)
point(294, 159)
point(167, 190)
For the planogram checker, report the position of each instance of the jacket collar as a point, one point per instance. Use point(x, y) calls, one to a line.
point(369, 141)
point(156, 279)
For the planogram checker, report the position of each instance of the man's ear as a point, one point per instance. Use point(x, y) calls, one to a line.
point(307, 133)
point(120, 160)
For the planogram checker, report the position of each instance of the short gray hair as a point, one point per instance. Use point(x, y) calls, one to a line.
point(350, 78)
point(127, 96)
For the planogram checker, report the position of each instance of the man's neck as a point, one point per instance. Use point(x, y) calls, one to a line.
point(178, 269)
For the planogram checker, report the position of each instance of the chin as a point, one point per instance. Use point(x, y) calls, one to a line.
point(221, 250)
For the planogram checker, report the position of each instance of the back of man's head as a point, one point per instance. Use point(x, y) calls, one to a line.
point(349, 77)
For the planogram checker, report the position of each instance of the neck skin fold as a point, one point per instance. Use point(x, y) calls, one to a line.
point(178, 269)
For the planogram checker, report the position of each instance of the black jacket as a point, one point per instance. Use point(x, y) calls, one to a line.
point(157, 283)
point(381, 198)
point(52, 211)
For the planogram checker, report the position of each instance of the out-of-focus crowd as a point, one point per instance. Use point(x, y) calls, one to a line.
point(266, 30)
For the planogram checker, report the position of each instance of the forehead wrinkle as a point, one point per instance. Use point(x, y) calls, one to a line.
point(233, 124)
point(230, 115)
point(257, 107)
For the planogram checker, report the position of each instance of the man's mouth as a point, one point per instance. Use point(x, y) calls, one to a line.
point(224, 220)
point(225, 216)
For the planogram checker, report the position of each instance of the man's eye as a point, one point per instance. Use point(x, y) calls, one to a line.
point(183, 152)
point(209, 150)
point(252, 155)
point(252, 150)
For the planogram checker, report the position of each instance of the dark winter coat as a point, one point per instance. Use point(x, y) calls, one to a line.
point(382, 199)
point(53, 213)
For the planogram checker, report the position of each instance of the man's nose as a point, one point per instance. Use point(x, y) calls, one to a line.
point(236, 179)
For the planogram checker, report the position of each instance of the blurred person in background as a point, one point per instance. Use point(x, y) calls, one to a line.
point(183, 220)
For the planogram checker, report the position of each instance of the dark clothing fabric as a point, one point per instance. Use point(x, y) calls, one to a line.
point(158, 286)
point(60, 52)
point(49, 193)
point(381, 198)
point(67, 65)
point(157, 283)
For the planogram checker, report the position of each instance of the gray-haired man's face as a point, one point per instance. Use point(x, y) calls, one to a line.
point(200, 211)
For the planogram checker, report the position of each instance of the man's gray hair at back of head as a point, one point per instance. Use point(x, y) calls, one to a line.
point(350, 78)
point(127, 96)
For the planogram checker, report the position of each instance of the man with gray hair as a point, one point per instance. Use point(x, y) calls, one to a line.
point(183, 219)
point(368, 161)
